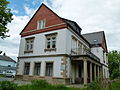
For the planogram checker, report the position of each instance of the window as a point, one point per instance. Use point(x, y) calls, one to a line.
point(49, 69)
point(37, 69)
point(26, 68)
point(51, 42)
point(74, 45)
point(29, 44)
point(103, 56)
point(79, 47)
point(41, 24)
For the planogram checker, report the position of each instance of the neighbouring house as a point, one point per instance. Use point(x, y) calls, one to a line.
point(53, 48)
point(6, 63)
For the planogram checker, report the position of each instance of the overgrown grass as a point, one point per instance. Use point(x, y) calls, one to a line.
point(35, 85)
point(1, 75)
point(7, 85)
point(115, 85)
point(43, 85)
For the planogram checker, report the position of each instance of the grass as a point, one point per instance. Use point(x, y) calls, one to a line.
point(35, 85)
point(1, 75)
point(115, 85)
point(43, 85)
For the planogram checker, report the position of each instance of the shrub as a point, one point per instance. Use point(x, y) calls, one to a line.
point(7, 85)
point(93, 86)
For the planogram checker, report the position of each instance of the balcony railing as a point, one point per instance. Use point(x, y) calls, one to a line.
point(83, 51)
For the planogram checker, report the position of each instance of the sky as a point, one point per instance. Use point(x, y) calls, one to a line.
point(91, 16)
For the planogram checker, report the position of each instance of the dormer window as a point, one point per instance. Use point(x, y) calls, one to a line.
point(41, 24)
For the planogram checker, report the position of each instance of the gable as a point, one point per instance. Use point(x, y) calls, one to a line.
point(104, 45)
point(52, 20)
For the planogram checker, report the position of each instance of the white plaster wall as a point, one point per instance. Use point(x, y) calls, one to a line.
point(56, 65)
point(39, 44)
point(63, 43)
point(69, 35)
point(98, 51)
point(6, 63)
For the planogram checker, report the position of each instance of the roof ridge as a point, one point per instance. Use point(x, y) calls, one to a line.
point(93, 32)
point(6, 58)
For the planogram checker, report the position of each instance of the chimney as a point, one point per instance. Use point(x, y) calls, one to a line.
point(4, 54)
point(0, 52)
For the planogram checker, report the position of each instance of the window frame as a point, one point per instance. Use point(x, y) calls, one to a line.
point(24, 71)
point(46, 74)
point(51, 36)
point(28, 43)
point(39, 68)
point(41, 24)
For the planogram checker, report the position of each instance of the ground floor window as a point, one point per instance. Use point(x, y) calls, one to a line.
point(49, 69)
point(27, 69)
point(37, 68)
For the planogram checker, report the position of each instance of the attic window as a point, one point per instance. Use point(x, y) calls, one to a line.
point(41, 24)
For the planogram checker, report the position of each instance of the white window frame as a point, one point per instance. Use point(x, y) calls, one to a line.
point(29, 44)
point(41, 24)
point(50, 41)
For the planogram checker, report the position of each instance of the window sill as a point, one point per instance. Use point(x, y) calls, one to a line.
point(50, 49)
point(30, 51)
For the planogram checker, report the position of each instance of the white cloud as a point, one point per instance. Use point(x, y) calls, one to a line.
point(92, 15)
point(36, 2)
point(10, 45)
point(29, 11)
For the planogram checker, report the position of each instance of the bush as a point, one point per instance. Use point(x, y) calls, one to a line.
point(7, 85)
point(115, 74)
point(93, 86)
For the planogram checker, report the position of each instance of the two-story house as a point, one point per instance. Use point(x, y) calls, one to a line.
point(52, 48)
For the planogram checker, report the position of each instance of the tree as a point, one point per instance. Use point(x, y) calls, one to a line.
point(114, 64)
point(5, 18)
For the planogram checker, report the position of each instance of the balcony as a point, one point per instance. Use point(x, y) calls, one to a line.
point(82, 52)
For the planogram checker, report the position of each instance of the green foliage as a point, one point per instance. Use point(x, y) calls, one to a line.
point(7, 85)
point(115, 74)
point(1, 75)
point(5, 18)
point(94, 86)
point(116, 85)
point(114, 64)
point(60, 87)
point(40, 83)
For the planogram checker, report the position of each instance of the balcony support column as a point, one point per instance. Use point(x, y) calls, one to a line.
point(98, 72)
point(85, 71)
point(91, 72)
point(94, 72)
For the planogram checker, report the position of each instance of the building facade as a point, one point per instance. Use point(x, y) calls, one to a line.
point(6, 63)
point(53, 48)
